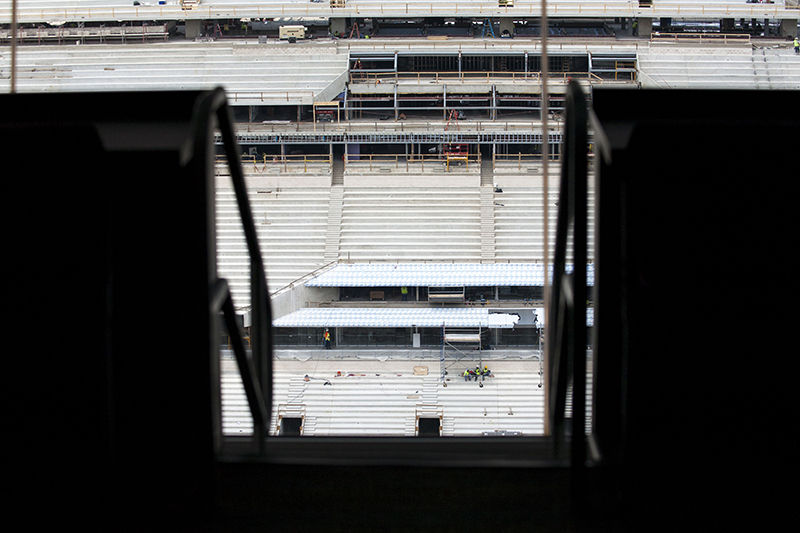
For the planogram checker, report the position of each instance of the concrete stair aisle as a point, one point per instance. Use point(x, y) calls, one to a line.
point(487, 171)
point(309, 426)
point(487, 223)
point(337, 172)
point(430, 393)
point(334, 230)
point(448, 426)
point(410, 427)
point(761, 70)
point(782, 67)
point(297, 387)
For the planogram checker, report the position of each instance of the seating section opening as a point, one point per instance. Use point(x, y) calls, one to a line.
point(291, 427)
point(429, 427)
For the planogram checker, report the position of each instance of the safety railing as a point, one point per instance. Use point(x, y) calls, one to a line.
point(518, 160)
point(43, 34)
point(414, 125)
point(719, 38)
point(476, 76)
point(294, 162)
point(272, 97)
point(406, 161)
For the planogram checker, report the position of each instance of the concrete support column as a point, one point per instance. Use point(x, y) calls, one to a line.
point(726, 25)
point(194, 29)
point(788, 28)
point(506, 25)
point(644, 26)
point(338, 25)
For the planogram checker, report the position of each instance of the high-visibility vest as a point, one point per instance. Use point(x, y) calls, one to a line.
point(404, 290)
point(796, 43)
point(327, 336)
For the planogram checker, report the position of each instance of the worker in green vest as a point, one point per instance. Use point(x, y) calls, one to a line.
point(466, 375)
point(404, 292)
point(796, 46)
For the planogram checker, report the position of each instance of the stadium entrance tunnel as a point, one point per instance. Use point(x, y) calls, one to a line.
point(429, 427)
point(291, 427)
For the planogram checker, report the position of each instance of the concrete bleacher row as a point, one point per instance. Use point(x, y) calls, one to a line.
point(291, 226)
point(735, 68)
point(300, 229)
point(251, 74)
point(387, 403)
point(404, 223)
point(46, 10)
point(519, 211)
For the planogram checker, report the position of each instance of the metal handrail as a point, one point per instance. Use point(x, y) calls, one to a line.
point(357, 76)
point(311, 274)
point(725, 38)
point(255, 371)
point(566, 331)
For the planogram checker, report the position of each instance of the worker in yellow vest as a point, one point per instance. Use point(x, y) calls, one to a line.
point(796, 46)
point(404, 293)
point(327, 337)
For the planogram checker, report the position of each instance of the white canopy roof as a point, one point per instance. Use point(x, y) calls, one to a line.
point(404, 317)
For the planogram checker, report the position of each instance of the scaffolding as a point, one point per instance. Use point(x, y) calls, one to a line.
point(455, 340)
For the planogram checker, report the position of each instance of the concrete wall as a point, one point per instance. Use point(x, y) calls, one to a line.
point(299, 297)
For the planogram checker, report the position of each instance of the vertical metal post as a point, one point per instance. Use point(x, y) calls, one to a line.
point(526, 65)
point(545, 68)
point(13, 46)
point(444, 102)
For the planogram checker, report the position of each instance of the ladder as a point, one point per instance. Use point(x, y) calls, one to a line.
point(487, 22)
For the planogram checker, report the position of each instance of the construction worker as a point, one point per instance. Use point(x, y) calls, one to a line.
point(327, 337)
point(404, 292)
point(796, 46)
point(472, 374)
point(486, 371)
point(477, 372)
point(466, 375)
